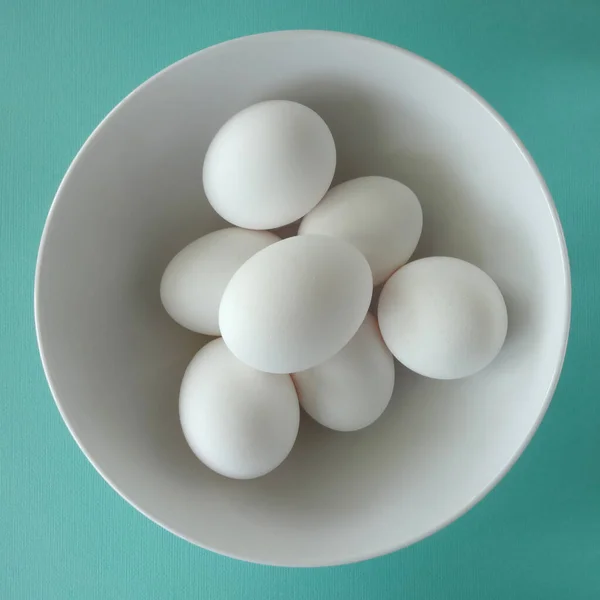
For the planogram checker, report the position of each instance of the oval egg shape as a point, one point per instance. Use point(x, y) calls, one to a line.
point(269, 165)
point(239, 422)
point(380, 216)
point(351, 390)
point(194, 281)
point(442, 317)
point(296, 303)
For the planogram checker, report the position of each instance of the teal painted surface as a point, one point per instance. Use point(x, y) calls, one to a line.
point(63, 532)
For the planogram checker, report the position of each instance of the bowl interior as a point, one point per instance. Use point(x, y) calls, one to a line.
point(133, 197)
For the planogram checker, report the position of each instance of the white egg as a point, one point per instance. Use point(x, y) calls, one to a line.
point(351, 390)
point(194, 281)
point(296, 303)
point(269, 165)
point(239, 422)
point(442, 317)
point(378, 215)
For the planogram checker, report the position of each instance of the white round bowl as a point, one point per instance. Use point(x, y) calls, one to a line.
point(114, 360)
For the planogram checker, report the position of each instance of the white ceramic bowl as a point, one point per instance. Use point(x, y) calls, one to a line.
point(133, 197)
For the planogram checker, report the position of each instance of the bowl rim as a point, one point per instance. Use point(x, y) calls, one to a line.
point(566, 316)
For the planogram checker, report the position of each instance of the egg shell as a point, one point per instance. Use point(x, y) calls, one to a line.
point(380, 216)
point(296, 303)
point(442, 317)
point(239, 422)
point(194, 281)
point(269, 165)
point(352, 389)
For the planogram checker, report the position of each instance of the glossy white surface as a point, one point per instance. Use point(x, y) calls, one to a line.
point(114, 359)
point(351, 390)
point(239, 422)
point(296, 303)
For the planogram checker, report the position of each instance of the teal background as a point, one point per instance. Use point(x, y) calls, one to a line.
point(63, 532)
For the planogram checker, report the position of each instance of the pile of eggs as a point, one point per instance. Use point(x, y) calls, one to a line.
point(291, 315)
